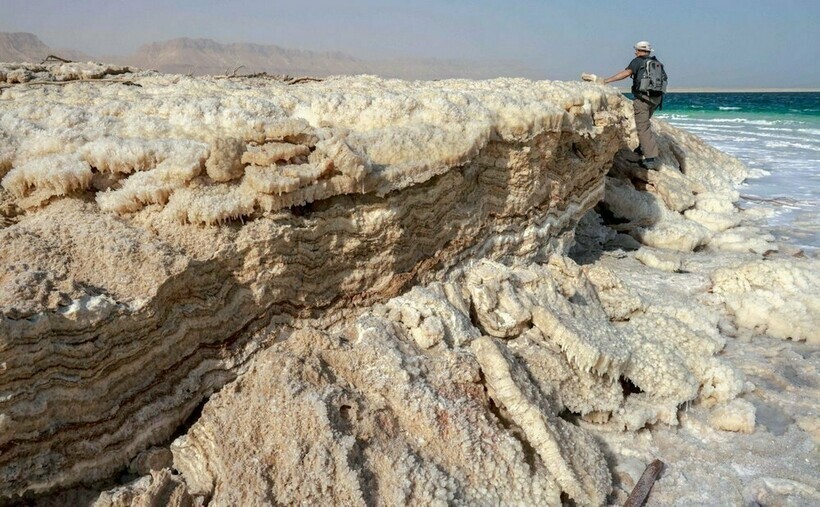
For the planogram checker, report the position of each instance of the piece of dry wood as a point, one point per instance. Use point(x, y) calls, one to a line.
point(52, 58)
point(233, 74)
point(126, 82)
point(298, 80)
point(289, 80)
point(641, 490)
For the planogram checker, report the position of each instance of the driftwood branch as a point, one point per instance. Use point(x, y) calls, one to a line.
point(641, 490)
point(233, 74)
point(54, 58)
point(264, 75)
point(297, 80)
point(70, 81)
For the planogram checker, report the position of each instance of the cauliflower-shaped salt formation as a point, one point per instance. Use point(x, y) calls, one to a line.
point(225, 161)
point(737, 415)
point(777, 297)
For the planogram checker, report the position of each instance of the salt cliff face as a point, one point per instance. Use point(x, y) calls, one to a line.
point(376, 269)
point(131, 307)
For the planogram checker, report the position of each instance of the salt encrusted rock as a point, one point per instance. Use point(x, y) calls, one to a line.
point(372, 418)
point(330, 410)
point(142, 130)
point(433, 315)
point(499, 309)
point(665, 261)
point(650, 221)
point(737, 415)
point(123, 313)
point(161, 487)
point(777, 297)
point(682, 205)
point(225, 160)
point(175, 268)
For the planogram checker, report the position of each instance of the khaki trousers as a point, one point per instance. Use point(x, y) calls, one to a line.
point(644, 108)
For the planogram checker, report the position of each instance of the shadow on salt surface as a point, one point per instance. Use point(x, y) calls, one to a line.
point(768, 416)
point(623, 216)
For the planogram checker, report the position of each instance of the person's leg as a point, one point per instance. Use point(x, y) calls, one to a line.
point(643, 112)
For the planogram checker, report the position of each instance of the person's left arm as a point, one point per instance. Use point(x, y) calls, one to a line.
point(617, 77)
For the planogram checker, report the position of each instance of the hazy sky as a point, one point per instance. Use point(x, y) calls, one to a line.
point(721, 43)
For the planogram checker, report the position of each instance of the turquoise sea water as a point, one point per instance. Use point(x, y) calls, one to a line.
point(777, 135)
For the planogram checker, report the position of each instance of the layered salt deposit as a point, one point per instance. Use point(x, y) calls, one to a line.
point(129, 312)
point(378, 272)
point(265, 145)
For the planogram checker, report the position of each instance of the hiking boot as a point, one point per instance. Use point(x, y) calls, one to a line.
point(630, 156)
point(650, 163)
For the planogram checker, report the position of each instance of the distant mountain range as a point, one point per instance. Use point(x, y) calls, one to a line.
point(205, 56)
point(26, 47)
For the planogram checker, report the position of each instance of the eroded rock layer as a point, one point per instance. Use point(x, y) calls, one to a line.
point(121, 313)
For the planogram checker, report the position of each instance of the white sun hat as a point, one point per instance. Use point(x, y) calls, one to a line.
point(643, 46)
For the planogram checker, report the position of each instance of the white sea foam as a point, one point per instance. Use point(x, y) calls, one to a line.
point(749, 122)
point(787, 144)
point(757, 173)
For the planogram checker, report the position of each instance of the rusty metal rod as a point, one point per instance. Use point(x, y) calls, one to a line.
point(641, 490)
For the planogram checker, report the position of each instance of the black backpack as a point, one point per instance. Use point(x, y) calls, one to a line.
point(652, 77)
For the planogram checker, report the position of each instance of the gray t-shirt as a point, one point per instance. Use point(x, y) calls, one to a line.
point(636, 65)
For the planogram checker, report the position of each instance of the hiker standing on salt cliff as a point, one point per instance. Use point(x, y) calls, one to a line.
point(648, 87)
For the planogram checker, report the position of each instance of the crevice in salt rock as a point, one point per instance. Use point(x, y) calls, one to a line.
point(189, 421)
point(628, 387)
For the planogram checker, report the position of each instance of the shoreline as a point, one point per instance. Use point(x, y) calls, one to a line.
point(736, 90)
